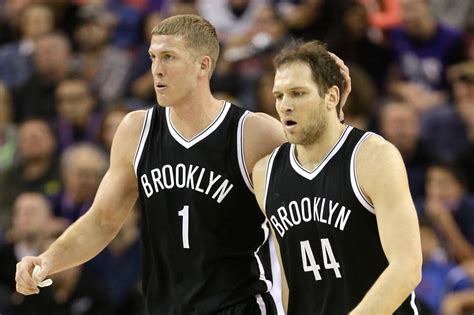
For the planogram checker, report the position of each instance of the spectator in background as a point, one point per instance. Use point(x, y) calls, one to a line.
point(7, 130)
point(37, 168)
point(461, 302)
point(16, 65)
point(32, 222)
point(351, 42)
point(77, 120)
point(230, 17)
point(10, 11)
point(449, 130)
point(440, 276)
point(104, 66)
point(123, 254)
point(82, 167)
point(451, 209)
point(109, 124)
point(265, 97)
point(360, 106)
point(424, 48)
point(399, 124)
point(177, 7)
point(383, 14)
point(51, 65)
point(249, 53)
point(452, 12)
point(140, 81)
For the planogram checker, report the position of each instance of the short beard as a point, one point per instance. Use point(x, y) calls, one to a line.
point(313, 133)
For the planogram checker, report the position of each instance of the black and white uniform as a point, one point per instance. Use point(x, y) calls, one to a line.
point(326, 228)
point(201, 225)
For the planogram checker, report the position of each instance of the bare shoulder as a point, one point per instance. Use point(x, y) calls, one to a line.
point(127, 135)
point(263, 122)
point(376, 152)
point(379, 165)
point(262, 134)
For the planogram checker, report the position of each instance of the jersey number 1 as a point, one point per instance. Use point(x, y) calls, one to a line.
point(185, 214)
point(309, 263)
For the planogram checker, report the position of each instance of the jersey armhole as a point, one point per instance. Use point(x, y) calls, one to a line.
point(143, 136)
point(354, 181)
point(241, 152)
point(267, 177)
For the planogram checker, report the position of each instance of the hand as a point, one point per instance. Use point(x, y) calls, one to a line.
point(436, 210)
point(26, 284)
point(347, 82)
point(452, 305)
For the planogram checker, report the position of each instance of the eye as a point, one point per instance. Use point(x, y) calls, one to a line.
point(168, 57)
point(298, 93)
point(278, 96)
point(151, 57)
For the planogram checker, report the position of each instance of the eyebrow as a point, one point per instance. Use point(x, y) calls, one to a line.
point(162, 52)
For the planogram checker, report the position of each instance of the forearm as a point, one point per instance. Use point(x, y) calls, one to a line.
point(79, 243)
point(462, 249)
point(389, 291)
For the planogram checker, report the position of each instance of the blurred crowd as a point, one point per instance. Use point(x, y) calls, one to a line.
point(70, 70)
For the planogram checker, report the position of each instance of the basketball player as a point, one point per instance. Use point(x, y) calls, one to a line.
point(187, 161)
point(337, 199)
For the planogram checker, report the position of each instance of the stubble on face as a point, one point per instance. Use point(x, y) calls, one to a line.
point(313, 127)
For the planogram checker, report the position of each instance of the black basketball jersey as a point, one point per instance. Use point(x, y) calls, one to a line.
point(201, 225)
point(326, 229)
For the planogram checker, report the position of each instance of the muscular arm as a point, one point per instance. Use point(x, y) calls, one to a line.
point(383, 179)
point(262, 134)
point(259, 172)
point(92, 232)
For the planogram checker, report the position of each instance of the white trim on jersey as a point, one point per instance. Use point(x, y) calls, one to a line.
point(203, 134)
point(261, 304)
point(260, 266)
point(353, 173)
point(276, 291)
point(267, 176)
point(310, 175)
point(412, 303)
point(142, 140)
point(241, 152)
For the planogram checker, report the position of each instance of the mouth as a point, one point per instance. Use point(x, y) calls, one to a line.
point(160, 86)
point(289, 124)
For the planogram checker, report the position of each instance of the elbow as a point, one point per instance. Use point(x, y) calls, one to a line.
point(410, 271)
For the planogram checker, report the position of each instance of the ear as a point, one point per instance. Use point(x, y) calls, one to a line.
point(205, 65)
point(332, 97)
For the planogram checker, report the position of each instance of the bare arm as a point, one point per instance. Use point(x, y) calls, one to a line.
point(262, 134)
point(259, 172)
point(382, 175)
point(92, 232)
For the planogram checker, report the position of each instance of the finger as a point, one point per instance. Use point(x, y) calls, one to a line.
point(39, 278)
point(26, 290)
point(27, 281)
point(340, 63)
point(43, 270)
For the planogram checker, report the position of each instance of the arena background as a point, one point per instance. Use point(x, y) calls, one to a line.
point(71, 70)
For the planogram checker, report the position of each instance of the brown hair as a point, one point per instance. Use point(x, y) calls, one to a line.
point(199, 35)
point(325, 72)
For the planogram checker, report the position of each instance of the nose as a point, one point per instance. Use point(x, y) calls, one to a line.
point(157, 69)
point(285, 105)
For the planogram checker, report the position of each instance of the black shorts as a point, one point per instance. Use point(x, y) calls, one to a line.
point(260, 304)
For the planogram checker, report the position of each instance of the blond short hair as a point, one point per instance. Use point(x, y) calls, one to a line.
point(199, 35)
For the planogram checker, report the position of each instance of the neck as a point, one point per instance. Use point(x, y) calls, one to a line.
point(35, 169)
point(310, 155)
point(192, 115)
